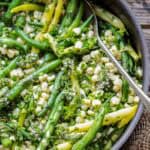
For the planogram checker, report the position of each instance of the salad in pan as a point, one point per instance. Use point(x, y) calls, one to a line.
point(58, 90)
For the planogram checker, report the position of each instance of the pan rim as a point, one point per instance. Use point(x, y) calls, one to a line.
point(130, 128)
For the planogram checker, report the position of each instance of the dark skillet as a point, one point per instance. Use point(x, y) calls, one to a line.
point(121, 9)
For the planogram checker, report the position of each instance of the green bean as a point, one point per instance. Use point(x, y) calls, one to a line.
point(70, 12)
point(47, 15)
point(22, 116)
point(70, 111)
point(117, 133)
point(125, 90)
point(57, 15)
point(128, 63)
point(6, 142)
point(109, 17)
point(36, 24)
point(52, 121)
point(90, 135)
point(129, 49)
point(124, 60)
point(86, 23)
point(15, 146)
point(3, 91)
point(52, 43)
point(10, 67)
point(20, 22)
point(12, 44)
point(113, 138)
point(43, 45)
point(4, 3)
point(78, 18)
point(70, 51)
point(8, 15)
point(77, 21)
point(108, 146)
point(54, 94)
point(48, 57)
point(15, 91)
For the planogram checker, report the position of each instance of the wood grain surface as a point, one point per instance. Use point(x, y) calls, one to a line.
point(141, 9)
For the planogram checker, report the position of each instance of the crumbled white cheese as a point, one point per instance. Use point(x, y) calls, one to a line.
point(78, 44)
point(79, 119)
point(118, 82)
point(77, 31)
point(84, 107)
point(130, 99)
point(28, 71)
point(45, 96)
point(24, 92)
point(64, 146)
point(20, 40)
point(41, 61)
point(12, 137)
point(11, 53)
point(139, 72)
point(44, 86)
point(86, 58)
point(44, 142)
point(28, 19)
point(82, 113)
point(94, 54)
point(51, 88)
point(51, 78)
point(95, 78)
point(83, 36)
point(17, 73)
point(136, 99)
point(97, 69)
point(28, 29)
point(38, 109)
point(90, 112)
point(3, 51)
point(115, 100)
point(109, 65)
point(115, 52)
point(35, 95)
point(90, 34)
point(98, 135)
point(87, 102)
point(41, 101)
point(108, 33)
point(105, 59)
point(96, 103)
point(37, 14)
point(113, 48)
point(116, 88)
point(90, 70)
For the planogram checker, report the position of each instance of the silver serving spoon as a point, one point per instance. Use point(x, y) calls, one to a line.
point(144, 98)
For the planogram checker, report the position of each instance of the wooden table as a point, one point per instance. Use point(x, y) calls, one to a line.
point(140, 139)
point(141, 9)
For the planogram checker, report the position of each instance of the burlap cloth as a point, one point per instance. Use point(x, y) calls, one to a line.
point(140, 138)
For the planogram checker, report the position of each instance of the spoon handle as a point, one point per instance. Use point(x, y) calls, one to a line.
point(144, 98)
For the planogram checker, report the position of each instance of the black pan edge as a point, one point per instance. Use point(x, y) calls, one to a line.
point(140, 45)
point(121, 9)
